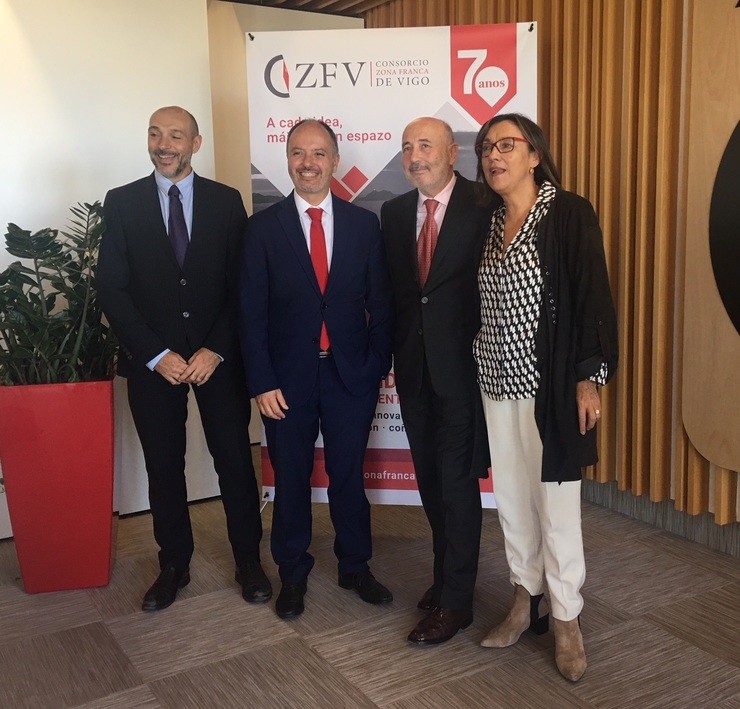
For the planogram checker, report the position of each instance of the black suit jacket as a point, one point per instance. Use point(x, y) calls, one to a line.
point(437, 322)
point(152, 304)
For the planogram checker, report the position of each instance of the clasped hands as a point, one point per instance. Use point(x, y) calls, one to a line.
point(197, 370)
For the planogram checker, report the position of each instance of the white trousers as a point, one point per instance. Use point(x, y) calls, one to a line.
point(541, 521)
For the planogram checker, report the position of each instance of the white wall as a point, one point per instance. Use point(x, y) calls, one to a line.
point(78, 81)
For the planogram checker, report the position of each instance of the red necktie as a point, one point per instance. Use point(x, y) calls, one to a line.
point(319, 261)
point(427, 241)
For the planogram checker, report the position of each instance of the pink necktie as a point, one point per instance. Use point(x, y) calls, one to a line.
point(320, 262)
point(427, 241)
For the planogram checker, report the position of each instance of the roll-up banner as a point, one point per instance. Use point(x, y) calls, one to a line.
point(368, 85)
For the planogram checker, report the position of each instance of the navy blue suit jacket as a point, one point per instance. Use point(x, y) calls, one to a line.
point(282, 307)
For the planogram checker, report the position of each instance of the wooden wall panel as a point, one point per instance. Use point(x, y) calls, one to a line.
point(613, 101)
point(666, 227)
point(711, 377)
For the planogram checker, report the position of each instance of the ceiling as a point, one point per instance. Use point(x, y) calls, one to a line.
point(348, 8)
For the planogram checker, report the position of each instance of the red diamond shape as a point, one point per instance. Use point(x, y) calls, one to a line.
point(355, 180)
point(340, 190)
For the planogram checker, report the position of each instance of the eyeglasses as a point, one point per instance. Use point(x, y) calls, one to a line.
point(503, 145)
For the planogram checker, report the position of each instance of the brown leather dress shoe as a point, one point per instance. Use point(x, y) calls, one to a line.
point(439, 626)
point(428, 602)
point(163, 591)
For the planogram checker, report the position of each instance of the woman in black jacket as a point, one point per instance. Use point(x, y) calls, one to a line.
point(548, 338)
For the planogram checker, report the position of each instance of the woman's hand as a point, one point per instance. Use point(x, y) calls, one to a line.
point(589, 405)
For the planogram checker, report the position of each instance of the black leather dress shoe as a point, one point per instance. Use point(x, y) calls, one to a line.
point(428, 602)
point(439, 626)
point(255, 585)
point(366, 585)
point(164, 590)
point(289, 602)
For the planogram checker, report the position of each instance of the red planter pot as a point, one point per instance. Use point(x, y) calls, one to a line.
point(56, 448)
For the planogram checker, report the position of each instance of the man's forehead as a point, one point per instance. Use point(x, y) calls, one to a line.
point(178, 120)
point(428, 132)
point(308, 139)
point(426, 137)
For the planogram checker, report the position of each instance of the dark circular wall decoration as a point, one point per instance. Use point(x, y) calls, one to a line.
point(724, 228)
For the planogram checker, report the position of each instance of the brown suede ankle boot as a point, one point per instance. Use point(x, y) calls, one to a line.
point(570, 657)
point(524, 614)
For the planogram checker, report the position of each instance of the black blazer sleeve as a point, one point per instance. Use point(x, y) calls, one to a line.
point(139, 341)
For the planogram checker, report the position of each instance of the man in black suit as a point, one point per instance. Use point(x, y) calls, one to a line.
point(317, 324)
point(167, 280)
point(434, 237)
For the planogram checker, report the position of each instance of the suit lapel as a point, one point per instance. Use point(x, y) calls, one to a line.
point(407, 232)
point(287, 215)
point(457, 211)
point(204, 222)
point(341, 248)
point(201, 214)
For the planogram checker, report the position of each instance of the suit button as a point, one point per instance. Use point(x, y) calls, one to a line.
point(183, 282)
point(324, 306)
point(425, 300)
point(186, 314)
point(420, 331)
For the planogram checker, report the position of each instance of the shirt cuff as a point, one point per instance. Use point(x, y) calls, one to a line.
point(152, 363)
point(601, 376)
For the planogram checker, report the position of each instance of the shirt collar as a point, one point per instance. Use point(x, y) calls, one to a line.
point(443, 196)
point(185, 185)
point(301, 204)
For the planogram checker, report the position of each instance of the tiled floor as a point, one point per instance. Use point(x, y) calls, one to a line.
point(661, 627)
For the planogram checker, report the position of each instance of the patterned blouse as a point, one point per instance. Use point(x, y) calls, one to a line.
point(511, 292)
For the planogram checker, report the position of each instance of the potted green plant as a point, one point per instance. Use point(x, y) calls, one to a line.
point(57, 359)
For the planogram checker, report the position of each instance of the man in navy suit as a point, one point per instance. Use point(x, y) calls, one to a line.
point(167, 281)
point(315, 349)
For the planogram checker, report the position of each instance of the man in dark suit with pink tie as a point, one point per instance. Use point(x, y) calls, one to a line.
point(316, 328)
point(434, 236)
